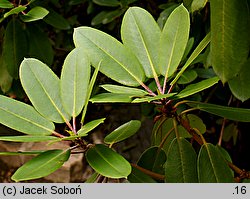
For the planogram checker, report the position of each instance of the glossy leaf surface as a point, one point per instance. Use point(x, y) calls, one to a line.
point(197, 87)
point(107, 162)
point(124, 90)
point(28, 138)
point(35, 14)
point(23, 118)
point(90, 126)
point(123, 132)
point(231, 113)
point(43, 89)
point(42, 165)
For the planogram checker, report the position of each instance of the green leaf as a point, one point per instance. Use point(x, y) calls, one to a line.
point(149, 99)
point(34, 14)
point(107, 162)
point(239, 85)
point(14, 47)
point(230, 24)
point(90, 88)
point(153, 159)
point(111, 98)
point(198, 5)
point(124, 90)
point(22, 153)
point(23, 118)
point(42, 165)
point(202, 45)
point(163, 133)
point(56, 20)
point(141, 33)
point(15, 10)
point(212, 167)
point(181, 164)
point(43, 89)
point(197, 87)
point(28, 138)
point(6, 4)
point(90, 126)
point(123, 132)
point(187, 77)
point(137, 176)
point(106, 17)
point(5, 78)
point(165, 13)
point(39, 44)
point(195, 122)
point(174, 39)
point(118, 62)
point(93, 178)
point(75, 81)
point(109, 3)
point(231, 113)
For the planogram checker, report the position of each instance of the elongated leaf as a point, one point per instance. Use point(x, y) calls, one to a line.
point(15, 10)
point(140, 33)
point(195, 122)
point(75, 81)
point(123, 132)
point(117, 63)
point(163, 133)
point(181, 165)
point(56, 20)
point(42, 165)
point(93, 178)
point(5, 78)
point(230, 24)
point(107, 162)
point(109, 3)
point(35, 14)
point(91, 86)
point(90, 126)
point(111, 98)
point(23, 118)
point(43, 89)
point(6, 4)
point(28, 138)
point(153, 159)
point(174, 39)
point(149, 99)
point(231, 113)
point(106, 17)
point(202, 45)
point(239, 85)
point(197, 87)
point(14, 47)
point(187, 77)
point(40, 46)
point(22, 153)
point(211, 166)
point(124, 90)
point(137, 176)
